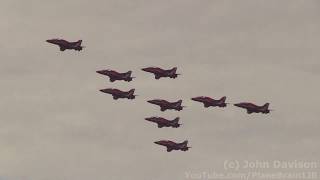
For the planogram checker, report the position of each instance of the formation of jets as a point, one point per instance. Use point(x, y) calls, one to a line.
point(163, 104)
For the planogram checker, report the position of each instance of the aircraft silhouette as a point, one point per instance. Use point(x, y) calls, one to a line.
point(165, 105)
point(170, 145)
point(252, 108)
point(63, 44)
point(162, 122)
point(159, 73)
point(114, 75)
point(207, 101)
point(116, 93)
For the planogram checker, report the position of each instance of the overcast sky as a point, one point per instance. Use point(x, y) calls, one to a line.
point(56, 125)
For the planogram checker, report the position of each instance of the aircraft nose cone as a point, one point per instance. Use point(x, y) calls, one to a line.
point(147, 119)
point(196, 99)
point(237, 104)
point(105, 90)
point(153, 102)
point(158, 142)
point(50, 40)
point(99, 72)
point(148, 69)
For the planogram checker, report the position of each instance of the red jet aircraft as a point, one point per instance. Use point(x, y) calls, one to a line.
point(207, 101)
point(165, 105)
point(63, 44)
point(116, 93)
point(159, 73)
point(114, 75)
point(162, 122)
point(252, 108)
point(173, 146)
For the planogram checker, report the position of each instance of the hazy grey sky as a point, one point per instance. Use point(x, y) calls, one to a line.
point(56, 125)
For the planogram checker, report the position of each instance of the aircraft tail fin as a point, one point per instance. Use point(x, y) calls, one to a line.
point(266, 105)
point(79, 42)
point(179, 102)
point(174, 70)
point(78, 46)
point(184, 145)
point(223, 99)
point(131, 92)
point(173, 73)
point(128, 74)
point(176, 120)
